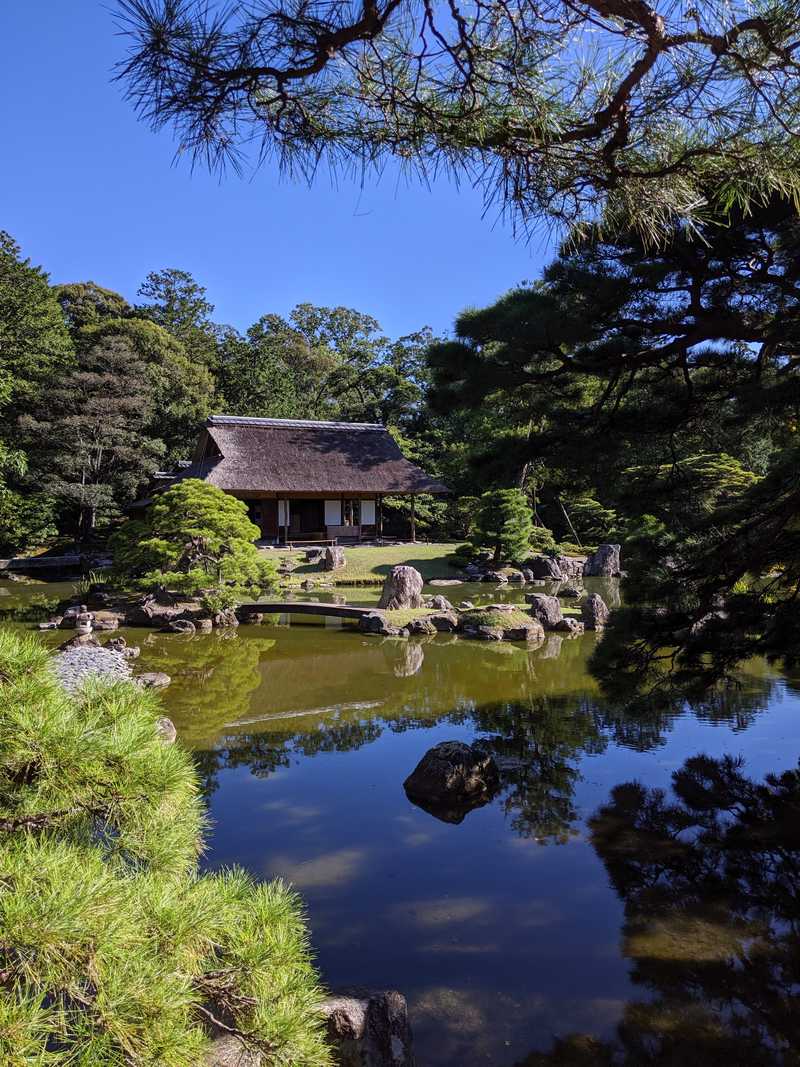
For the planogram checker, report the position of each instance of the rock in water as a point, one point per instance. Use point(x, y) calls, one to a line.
point(453, 778)
point(547, 609)
point(153, 680)
point(165, 728)
point(334, 558)
point(543, 567)
point(402, 589)
point(594, 612)
point(605, 563)
point(369, 1028)
point(441, 603)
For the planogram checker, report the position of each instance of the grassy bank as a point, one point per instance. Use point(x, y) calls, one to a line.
point(371, 564)
point(114, 948)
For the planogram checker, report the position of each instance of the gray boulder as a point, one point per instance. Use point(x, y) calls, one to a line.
point(571, 566)
point(451, 779)
point(568, 625)
point(543, 567)
point(571, 592)
point(333, 559)
point(547, 609)
point(179, 626)
point(375, 623)
point(605, 563)
point(594, 612)
point(445, 621)
point(153, 680)
point(165, 728)
point(441, 603)
point(402, 589)
point(422, 626)
point(369, 1028)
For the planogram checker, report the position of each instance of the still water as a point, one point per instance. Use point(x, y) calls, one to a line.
point(561, 907)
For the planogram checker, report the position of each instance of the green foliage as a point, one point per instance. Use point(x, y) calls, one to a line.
point(504, 524)
point(114, 949)
point(542, 540)
point(195, 539)
point(625, 109)
point(591, 520)
point(89, 435)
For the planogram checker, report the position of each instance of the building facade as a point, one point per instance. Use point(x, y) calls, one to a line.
point(307, 480)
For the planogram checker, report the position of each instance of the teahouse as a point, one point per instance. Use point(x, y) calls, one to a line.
point(307, 480)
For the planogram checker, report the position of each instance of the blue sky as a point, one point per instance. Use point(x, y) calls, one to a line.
point(90, 193)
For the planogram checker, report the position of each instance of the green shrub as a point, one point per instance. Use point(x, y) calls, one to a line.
point(542, 540)
point(195, 539)
point(114, 950)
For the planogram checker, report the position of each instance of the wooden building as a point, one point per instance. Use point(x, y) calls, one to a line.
point(307, 481)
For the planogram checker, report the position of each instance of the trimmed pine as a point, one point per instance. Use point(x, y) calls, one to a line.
point(113, 948)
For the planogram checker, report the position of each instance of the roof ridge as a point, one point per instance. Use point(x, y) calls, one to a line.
point(245, 420)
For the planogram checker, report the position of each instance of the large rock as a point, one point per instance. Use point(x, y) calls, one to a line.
point(547, 609)
point(543, 567)
point(445, 621)
point(153, 680)
point(605, 563)
point(451, 779)
point(570, 626)
point(376, 623)
point(402, 589)
point(571, 566)
point(179, 626)
point(594, 612)
point(333, 560)
point(369, 1028)
point(441, 603)
point(151, 612)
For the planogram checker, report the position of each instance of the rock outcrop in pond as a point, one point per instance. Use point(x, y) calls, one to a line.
point(452, 779)
point(369, 1028)
point(402, 590)
point(594, 612)
point(605, 563)
point(547, 609)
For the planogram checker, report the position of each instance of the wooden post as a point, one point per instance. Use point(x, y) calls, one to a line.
point(380, 518)
point(413, 518)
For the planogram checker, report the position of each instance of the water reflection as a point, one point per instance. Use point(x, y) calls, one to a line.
point(709, 875)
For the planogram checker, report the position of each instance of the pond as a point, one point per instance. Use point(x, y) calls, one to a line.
point(531, 919)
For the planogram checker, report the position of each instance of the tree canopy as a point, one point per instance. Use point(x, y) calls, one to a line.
point(632, 108)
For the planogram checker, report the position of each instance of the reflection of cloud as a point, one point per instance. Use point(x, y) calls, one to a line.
point(330, 869)
point(456, 947)
point(292, 812)
point(417, 839)
point(446, 910)
point(451, 1008)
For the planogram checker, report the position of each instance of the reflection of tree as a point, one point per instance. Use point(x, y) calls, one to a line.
point(537, 749)
point(213, 678)
point(710, 879)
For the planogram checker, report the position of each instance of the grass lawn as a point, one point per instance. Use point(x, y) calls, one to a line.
point(370, 564)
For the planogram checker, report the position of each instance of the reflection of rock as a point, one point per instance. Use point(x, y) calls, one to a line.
point(412, 656)
point(402, 589)
point(369, 1028)
point(451, 779)
point(551, 649)
point(608, 588)
point(594, 612)
point(604, 563)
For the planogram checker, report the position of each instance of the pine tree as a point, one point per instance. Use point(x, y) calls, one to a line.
point(114, 949)
point(505, 524)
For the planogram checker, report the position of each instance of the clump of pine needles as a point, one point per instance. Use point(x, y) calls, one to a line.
point(114, 950)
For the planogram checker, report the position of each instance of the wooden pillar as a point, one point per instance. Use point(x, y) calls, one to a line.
point(380, 518)
point(413, 518)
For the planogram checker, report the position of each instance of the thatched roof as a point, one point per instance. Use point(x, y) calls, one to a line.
point(294, 456)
